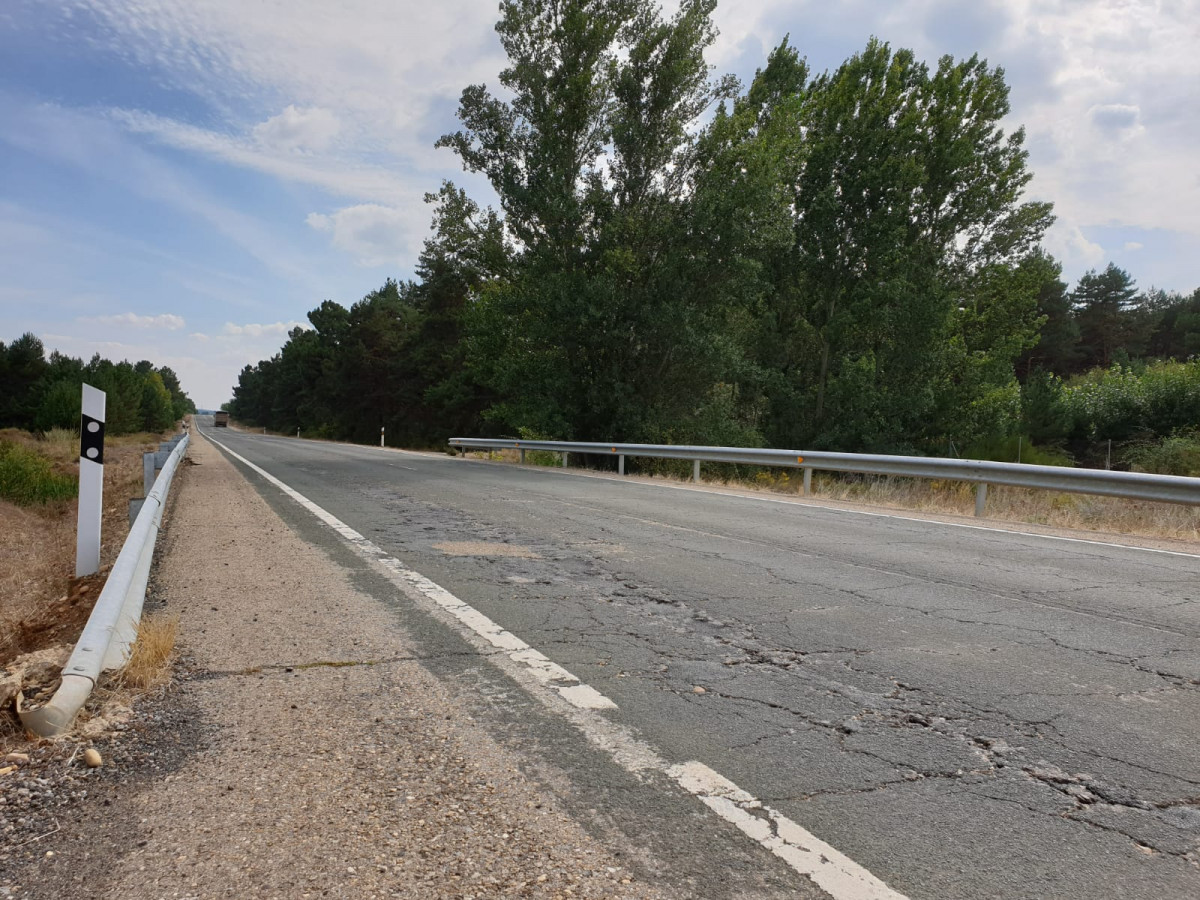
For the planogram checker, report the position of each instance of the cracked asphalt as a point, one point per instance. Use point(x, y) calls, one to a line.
point(966, 713)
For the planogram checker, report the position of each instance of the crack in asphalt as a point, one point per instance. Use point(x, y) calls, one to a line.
point(613, 612)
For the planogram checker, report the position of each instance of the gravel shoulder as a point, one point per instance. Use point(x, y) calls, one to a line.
point(303, 750)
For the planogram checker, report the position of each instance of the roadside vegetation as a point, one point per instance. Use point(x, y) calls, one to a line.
point(840, 260)
point(41, 602)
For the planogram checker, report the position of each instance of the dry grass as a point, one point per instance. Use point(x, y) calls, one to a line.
point(150, 660)
point(1022, 505)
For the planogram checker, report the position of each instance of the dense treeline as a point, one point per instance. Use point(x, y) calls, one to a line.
point(841, 260)
point(39, 394)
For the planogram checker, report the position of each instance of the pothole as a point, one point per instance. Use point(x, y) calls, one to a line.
point(485, 548)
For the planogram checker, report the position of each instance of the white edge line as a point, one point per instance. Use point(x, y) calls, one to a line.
point(834, 872)
point(542, 668)
point(828, 868)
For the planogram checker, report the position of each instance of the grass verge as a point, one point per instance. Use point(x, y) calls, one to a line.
point(28, 478)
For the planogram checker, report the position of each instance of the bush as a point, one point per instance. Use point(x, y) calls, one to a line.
point(28, 478)
point(1178, 454)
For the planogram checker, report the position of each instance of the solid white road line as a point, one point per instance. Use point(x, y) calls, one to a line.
point(834, 872)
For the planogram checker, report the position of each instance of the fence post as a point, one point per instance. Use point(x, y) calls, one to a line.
point(564, 459)
point(696, 471)
point(91, 482)
point(980, 497)
point(522, 456)
point(807, 482)
point(621, 464)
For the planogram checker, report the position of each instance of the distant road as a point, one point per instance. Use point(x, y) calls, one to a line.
point(962, 712)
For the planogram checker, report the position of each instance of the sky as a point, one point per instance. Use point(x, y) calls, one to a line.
point(182, 180)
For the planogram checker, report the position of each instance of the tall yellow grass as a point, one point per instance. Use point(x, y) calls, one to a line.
point(149, 663)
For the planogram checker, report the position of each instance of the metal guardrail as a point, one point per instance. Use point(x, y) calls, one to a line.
point(112, 626)
point(1127, 485)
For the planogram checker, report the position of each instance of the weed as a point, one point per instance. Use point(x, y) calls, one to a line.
point(27, 478)
point(59, 444)
point(150, 662)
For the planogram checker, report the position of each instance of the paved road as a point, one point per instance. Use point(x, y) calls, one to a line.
point(965, 713)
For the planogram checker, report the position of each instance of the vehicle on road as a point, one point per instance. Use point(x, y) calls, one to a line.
point(221, 420)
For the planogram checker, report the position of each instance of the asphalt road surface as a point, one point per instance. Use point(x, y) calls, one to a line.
point(962, 712)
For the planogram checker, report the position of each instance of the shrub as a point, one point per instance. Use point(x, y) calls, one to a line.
point(1178, 454)
point(27, 478)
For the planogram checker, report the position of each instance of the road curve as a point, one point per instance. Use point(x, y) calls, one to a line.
point(961, 712)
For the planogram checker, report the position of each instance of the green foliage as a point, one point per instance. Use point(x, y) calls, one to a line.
point(1015, 448)
point(61, 406)
point(1178, 454)
point(838, 260)
point(28, 479)
point(157, 409)
point(41, 394)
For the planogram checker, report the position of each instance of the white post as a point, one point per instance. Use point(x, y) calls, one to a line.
point(381, 437)
point(91, 482)
point(696, 471)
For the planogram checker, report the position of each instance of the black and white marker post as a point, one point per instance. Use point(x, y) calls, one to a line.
point(91, 482)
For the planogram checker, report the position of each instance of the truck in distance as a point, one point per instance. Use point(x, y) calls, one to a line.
point(221, 419)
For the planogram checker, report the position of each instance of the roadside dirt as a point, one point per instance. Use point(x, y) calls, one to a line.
point(303, 752)
point(42, 604)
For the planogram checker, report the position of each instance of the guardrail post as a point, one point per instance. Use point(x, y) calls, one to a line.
point(696, 471)
point(980, 497)
point(807, 482)
point(564, 459)
point(621, 464)
point(147, 474)
point(522, 456)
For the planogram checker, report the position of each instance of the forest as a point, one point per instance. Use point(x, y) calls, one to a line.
point(842, 260)
point(41, 394)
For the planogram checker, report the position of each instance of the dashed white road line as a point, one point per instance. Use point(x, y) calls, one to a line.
point(834, 872)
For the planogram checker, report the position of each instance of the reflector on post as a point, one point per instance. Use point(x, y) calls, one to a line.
point(91, 482)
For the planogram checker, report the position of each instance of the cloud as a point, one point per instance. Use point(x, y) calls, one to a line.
point(1069, 245)
point(93, 145)
point(374, 235)
point(337, 176)
point(298, 129)
point(1133, 246)
point(167, 321)
point(1114, 118)
point(275, 328)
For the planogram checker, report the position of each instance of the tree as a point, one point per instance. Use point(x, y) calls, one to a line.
point(590, 334)
point(22, 368)
point(1176, 334)
point(1057, 349)
point(1106, 308)
point(905, 200)
point(156, 410)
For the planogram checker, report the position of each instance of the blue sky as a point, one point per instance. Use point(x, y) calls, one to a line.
point(182, 180)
